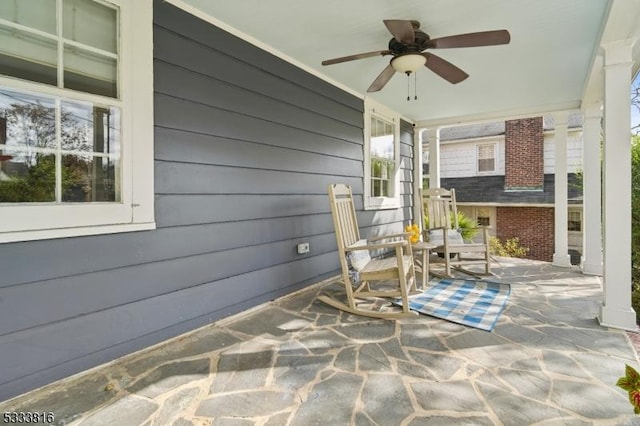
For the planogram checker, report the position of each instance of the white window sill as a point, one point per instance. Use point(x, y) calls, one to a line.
point(384, 204)
point(10, 237)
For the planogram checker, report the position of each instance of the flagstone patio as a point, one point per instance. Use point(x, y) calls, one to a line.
point(297, 361)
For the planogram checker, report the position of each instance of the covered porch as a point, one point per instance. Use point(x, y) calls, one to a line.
point(298, 361)
point(242, 130)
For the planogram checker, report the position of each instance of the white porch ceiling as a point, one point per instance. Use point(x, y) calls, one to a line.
point(546, 67)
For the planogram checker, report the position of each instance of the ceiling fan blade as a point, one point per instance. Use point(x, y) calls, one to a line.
point(485, 38)
point(444, 69)
point(382, 79)
point(401, 30)
point(357, 56)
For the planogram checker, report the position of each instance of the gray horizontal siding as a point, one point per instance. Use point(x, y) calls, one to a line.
point(245, 146)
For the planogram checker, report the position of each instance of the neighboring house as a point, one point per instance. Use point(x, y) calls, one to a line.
point(232, 175)
point(503, 173)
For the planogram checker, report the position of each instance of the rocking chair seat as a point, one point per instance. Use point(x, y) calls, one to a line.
point(385, 265)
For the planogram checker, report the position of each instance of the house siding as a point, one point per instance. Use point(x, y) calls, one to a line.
point(245, 146)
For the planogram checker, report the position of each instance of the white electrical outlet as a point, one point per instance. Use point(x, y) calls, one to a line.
point(303, 248)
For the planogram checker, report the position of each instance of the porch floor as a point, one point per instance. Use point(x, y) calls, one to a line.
point(298, 361)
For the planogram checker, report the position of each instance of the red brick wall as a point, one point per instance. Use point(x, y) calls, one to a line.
point(524, 154)
point(532, 225)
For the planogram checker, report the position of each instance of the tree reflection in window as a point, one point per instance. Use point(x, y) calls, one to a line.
point(78, 163)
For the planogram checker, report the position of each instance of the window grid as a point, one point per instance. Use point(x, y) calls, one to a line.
point(85, 161)
point(382, 154)
point(486, 157)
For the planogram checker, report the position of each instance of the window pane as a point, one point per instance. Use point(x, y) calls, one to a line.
point(27, 178)
point(30, 122)
point(382, 146)
point(89, 128)
point(486, 165)
point(391, 169)
point(375, 188)
point(574, 222)
point(90, 23)
point(384, 188)
point(27, 56)
point(86, 178)
point(38, 14)
point(484, 221)
point(89, 72)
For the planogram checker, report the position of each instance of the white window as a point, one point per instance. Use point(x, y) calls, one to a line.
point(574, 222)
point(486, 157)
point(73, 74)
point(382, 157)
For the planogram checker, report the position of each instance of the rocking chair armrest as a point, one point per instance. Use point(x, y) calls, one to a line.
point(384, 237)
point(377, 246)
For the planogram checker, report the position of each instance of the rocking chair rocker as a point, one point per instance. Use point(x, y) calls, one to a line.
point(358, 265)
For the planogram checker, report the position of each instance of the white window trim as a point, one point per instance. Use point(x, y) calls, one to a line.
point(136, 211)
point(495, 158)
point(375, 109)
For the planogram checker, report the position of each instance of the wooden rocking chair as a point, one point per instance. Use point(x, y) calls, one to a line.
point(359, 269)
point(443, 231)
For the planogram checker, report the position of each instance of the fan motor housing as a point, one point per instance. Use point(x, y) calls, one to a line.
point(420, 43)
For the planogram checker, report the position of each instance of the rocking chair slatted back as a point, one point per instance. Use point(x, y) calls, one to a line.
point(344, 216)
point(441, 208)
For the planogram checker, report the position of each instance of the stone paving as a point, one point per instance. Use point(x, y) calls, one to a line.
point(297, 361)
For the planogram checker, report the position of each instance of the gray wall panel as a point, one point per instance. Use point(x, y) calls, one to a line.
point(245, 146)
point(201, 32)
point(185, 178)
point(126, 285)
point(181, 209)
point(175, 145)
point(181, 114)
point(192, 55)
point(214, 93)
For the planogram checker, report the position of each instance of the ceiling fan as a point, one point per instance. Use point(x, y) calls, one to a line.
point(408, 47)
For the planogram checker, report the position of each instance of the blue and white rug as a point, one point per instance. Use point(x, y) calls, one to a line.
point(469, 302)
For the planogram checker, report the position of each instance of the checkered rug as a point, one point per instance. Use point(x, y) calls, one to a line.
point(469, 302)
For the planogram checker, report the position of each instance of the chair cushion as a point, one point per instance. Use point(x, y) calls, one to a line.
point(358, 259)
point(436, 236)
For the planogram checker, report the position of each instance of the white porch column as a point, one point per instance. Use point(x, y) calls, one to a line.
point(616, 310)
point(561, 256)
point(417, 175)
point(592, 192)
point(433, 136)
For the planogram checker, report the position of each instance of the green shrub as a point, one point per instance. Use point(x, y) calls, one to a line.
point(635, 300)
point(510, 248)
point(467, 226)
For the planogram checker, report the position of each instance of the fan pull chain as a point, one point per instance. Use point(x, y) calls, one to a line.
point(408, 84)
point(415, 86)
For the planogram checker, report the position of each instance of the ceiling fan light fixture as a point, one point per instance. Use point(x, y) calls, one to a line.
point(408, 63)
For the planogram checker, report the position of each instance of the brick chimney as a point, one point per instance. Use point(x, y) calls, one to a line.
point(524, 155)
